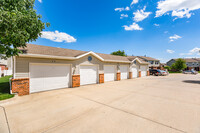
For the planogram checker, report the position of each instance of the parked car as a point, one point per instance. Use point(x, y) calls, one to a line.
point(190, 72)
point(155, 72)
point(164, 73)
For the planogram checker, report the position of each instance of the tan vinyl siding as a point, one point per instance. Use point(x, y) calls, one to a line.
point(22, 64)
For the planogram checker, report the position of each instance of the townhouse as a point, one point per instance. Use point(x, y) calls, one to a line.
point(192, 63)
point(42, 68)
point(153, 63)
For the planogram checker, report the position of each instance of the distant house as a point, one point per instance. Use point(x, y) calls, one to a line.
point(3, 63)
point(5, 66)
point(153, 63)
point(192, 63)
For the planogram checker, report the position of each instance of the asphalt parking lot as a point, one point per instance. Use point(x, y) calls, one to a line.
point(167, 104)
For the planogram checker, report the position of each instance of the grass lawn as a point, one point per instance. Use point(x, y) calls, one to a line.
point(5, 88)
point(173, 72)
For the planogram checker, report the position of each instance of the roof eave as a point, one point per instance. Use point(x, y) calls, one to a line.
point(46, 56)
point(70, 58)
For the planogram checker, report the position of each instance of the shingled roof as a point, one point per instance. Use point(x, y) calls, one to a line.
point(147, 58)
point(131, 58)
point(190, 59)
point(53, 51)
point(112, 57)
point(46, 50)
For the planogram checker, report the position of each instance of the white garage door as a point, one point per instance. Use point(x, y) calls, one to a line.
point(48, 77)
point(143, 71)
point(124, 72)
point(88, 74)
point(134, 72)
point(109, 73)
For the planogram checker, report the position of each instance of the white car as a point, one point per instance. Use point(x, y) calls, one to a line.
point(190, 72)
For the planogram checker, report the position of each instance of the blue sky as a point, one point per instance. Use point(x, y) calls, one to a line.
point(161, 29)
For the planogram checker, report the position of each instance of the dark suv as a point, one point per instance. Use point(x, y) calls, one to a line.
point(155, 72)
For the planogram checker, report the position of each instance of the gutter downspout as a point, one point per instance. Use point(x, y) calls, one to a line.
point(13, 72)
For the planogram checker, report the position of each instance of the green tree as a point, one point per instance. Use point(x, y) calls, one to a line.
point(167, 67)
point(179, 65)
point(119, 52)
point(19, 24)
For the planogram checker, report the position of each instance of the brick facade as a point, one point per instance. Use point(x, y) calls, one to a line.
point(75, 81)
point(2, 67)
point(20, 86)
point(101, 78)
point(118, 76)
point(130, 75)
point(139, 73)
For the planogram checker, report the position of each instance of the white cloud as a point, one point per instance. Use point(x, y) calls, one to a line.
point(40, 1)
point(119, 9)
point(122, 9)
point(127, 8)
point(170, 51)
point(179, 8)
point(140, 15)
point(58, 36)
point(134, 2)
point(134, 26)
point(123, 16)
point(194, 51)
point(181, 14)
point(157, 25)
point(174, 37)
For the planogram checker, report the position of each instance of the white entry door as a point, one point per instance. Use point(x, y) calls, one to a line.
point(88, 74)
point(134, 72)
point(109, 73)
point(143, 71)
point(49, 76)
point(124, 72)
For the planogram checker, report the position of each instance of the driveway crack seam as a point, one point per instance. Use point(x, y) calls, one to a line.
point(133, 114)
point(6, 118)
point(51, 128)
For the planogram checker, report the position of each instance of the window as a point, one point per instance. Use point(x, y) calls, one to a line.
point(151, 62)
point(156, 62)
point(135, 62)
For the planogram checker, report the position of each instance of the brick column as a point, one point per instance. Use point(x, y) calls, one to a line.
point(148, 73)
point(101, 78)
point(130, 75)
point(118, 76)
point(139, 73)
point(20, 86)
point(75, 81)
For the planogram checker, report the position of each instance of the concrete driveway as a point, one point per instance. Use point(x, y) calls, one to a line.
point(168, 104)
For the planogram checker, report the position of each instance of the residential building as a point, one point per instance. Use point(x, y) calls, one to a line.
point(153, 63)
point(42, 68)
point(192, 63)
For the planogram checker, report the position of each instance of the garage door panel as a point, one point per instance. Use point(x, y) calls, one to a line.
point(134, 72)
point(143, 71)
point(88, 74)
point(109, 73)
point(48, 77)
point(124, 72)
